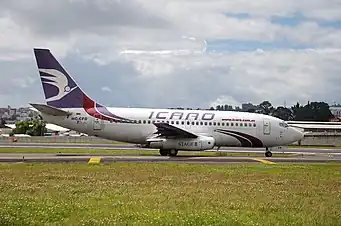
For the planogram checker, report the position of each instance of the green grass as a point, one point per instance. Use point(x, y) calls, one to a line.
point(128, 152)
point(164, 194)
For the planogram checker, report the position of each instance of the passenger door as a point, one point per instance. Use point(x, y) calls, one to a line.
point(266, 127)
point(97, 123)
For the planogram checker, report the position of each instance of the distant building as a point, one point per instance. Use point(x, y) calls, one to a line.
point(249, 107)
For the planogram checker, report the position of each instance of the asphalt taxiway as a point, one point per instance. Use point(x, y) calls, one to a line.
point(122, 146)
point(301, 155)
point(73, 158)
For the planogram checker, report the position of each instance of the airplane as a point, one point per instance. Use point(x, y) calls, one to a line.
point(168, 130)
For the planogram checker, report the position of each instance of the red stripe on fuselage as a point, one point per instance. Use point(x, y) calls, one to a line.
point(89, 107)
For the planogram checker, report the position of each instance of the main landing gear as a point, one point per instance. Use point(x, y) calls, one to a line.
point(171, 152)
point(267, 152)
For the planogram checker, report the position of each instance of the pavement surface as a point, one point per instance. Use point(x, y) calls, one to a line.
point(72, 158)
point(302, 155)
point(123, 146)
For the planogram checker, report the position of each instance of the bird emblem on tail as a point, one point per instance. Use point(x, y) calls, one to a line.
point(57, 79)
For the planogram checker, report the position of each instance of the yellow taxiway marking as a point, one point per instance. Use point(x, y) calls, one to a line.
point(264, 161)
point(94, 160)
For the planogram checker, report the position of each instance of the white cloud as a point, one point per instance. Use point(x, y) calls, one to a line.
point(222, 100)
point(158, 50)
point(106, 89)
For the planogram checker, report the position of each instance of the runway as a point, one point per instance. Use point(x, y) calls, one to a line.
point(86, 158)
point(306, 151)
point(303, 155)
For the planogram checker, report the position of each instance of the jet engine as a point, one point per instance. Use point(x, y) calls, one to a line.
point(191, 144)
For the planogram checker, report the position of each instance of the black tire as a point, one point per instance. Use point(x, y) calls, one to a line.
point(173, 152)
point(268, 154)
point(163, 152)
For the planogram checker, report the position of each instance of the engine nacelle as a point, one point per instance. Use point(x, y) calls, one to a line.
point(192, 144)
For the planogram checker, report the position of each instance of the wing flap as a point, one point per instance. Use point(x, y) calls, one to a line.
point(166, 130)
point(50, 110)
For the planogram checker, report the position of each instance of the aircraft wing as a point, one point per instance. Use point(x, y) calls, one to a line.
point(164, 129)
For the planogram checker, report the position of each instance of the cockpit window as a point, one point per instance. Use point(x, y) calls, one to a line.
point(283, 124)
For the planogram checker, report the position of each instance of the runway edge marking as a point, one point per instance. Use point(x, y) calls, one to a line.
point(264, 161)
point(94, 160)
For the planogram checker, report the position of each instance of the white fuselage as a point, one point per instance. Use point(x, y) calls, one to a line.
point(269, 130)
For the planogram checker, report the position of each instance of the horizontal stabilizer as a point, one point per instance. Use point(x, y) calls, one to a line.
point(50, 110)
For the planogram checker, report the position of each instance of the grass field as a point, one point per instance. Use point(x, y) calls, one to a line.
point(128, 152)
point(164, 194)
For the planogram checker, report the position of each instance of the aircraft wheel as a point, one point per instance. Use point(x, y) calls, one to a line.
point(173, 152)
point(268, 154)
point(163, 152)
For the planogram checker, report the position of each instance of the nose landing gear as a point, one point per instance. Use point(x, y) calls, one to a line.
point(267, 152)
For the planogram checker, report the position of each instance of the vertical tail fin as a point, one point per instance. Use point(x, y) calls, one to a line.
point(60, 90)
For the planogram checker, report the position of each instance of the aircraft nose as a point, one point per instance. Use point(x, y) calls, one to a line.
point(296, 134)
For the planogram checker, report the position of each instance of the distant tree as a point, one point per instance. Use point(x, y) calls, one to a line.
point(283, 113)
point(228, 107)
point(33, 127)
point(2, 123)
point(314, 111)
point(265, 108)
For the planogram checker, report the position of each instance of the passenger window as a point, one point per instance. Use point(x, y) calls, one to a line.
point(148, 121)
point(139, 121)
point(193, 123)
point(177, 122)
point(188, 123)
point(172, 122)
point(232, 124)
point(197, 123)
point(210, 123)
point(214, 123)
point(223, 124)
point(245, 124)
point(144, 121)
point(201, 123)
point(205, 123)
point(250, 124)
point(218, 123)
point(254, 125)
point(182, 122)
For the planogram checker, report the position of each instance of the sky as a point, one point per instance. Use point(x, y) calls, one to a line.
point(176, 53)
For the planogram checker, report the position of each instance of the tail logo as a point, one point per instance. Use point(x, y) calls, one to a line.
point(57, 79)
